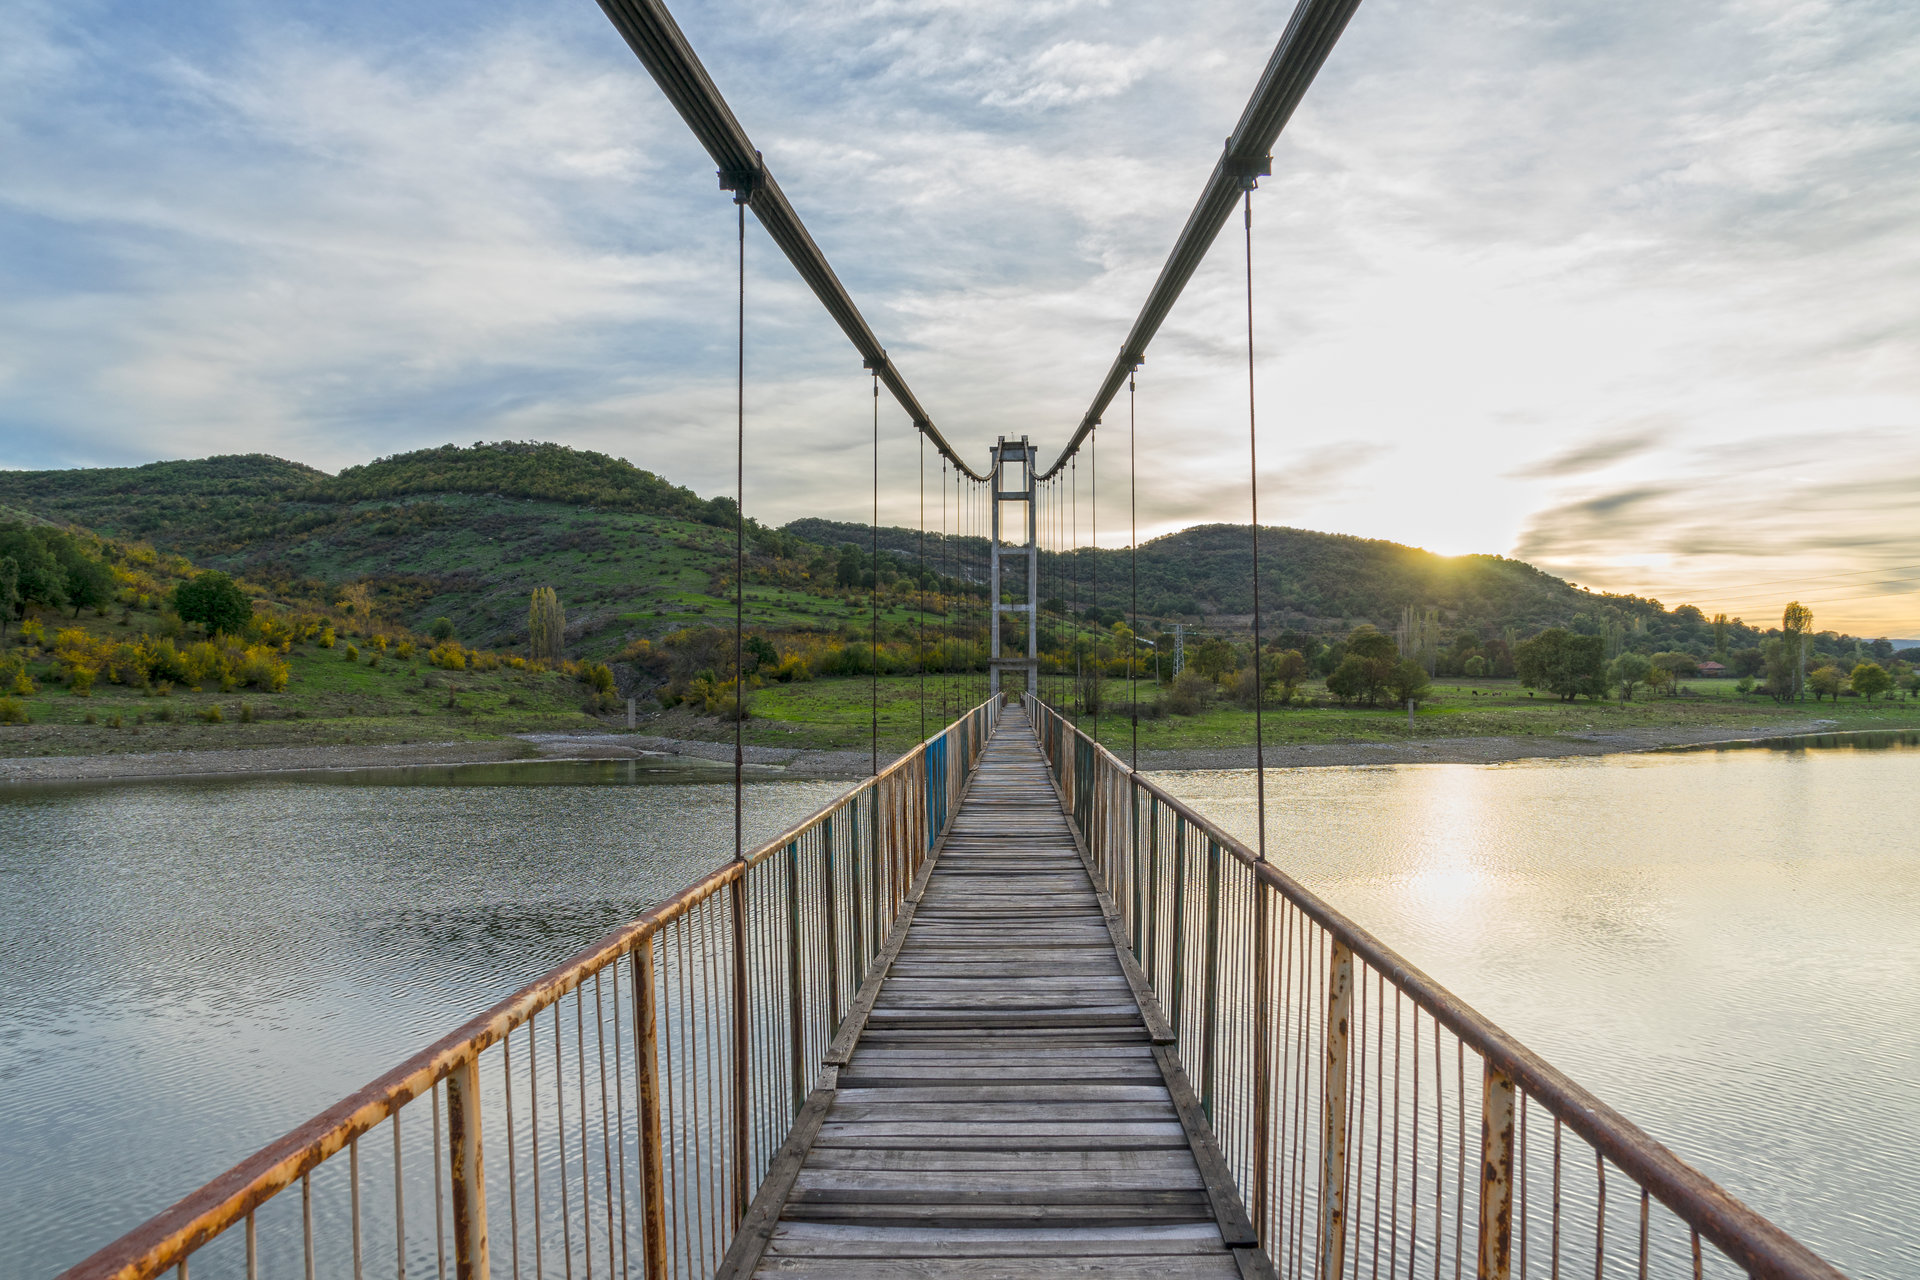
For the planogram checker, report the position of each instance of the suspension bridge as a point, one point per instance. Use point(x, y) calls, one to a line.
point(1004, 1008)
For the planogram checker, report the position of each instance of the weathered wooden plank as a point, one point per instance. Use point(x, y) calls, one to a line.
point(1140, 1266)
point(1012, 1179)
point(852, 1240)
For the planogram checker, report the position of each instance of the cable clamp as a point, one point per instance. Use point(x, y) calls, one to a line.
point(744, 182)
point(1248, 169)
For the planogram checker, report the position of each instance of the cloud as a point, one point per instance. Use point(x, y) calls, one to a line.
point(1596, 455)
point(1613, 285)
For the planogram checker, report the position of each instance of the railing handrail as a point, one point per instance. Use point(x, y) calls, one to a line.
point(227, 1199)
point(1746, 1237)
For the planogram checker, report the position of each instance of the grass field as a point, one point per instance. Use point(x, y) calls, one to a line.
point(333, 700)
point(837, 713)
point(329, 699)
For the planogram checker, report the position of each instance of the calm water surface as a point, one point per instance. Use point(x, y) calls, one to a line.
point(189, 969)
point(1724, 944)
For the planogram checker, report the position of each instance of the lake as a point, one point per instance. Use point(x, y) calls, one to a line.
point(189, 969)
point(1724, 944)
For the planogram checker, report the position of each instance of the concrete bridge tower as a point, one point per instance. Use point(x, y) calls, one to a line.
point(1013, 471)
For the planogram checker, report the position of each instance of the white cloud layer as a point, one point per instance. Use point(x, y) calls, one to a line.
point(1624, 288)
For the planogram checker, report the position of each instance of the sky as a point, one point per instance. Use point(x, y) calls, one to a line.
point(1630, 290)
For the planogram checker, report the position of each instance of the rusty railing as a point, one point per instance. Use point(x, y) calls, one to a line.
point(1375, 1124)
point(616, 1116)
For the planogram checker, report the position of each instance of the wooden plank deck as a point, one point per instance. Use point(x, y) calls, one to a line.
point(1004, 1112)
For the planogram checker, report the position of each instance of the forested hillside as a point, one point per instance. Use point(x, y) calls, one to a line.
point(468, 533)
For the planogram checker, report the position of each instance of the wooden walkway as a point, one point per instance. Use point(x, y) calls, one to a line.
point(1005, 1110)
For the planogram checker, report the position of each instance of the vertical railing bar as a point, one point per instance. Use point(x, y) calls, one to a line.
point(1556, 1197)
point(794, 1030)
point(1209, 1028)
point(353, 1195)
point(1379, 1103)
point(646, 1065)
point(1645, 1207)
point(1413, 1155)
point(306, 1221)
point(1460, 1150)
point(1357, 1121)
point(1439, 1152)
point(253, 1252)
point(560, 1145)
point(1497, 1172)
point(399, 1206)
point(533, 1125)
point(1304, 945)
point(466, 1155)
point(606, 1127)
point(1393, 1213)
point(586, 1168)
point(620, 1113)
point(513, 1172)
point(1600, 1218)
point(1521, 1178)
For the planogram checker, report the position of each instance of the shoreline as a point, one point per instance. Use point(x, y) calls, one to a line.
point(807, 762)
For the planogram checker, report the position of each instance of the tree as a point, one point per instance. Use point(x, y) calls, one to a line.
point(1675, 667)
point(1409, 682)
point(442, 628)
point(9, 589)
point(39, 578)
point(546, 626)
point(1797, 621)
point(89, 582)
point(1782, 658)
point(1721, 629)
point(1365, 642)
point(1870, 680)
point(1827, 681)
point(1628, 670)
point(1564, 664)
point(213, 600)
point(1212, 658)
point(1286, 669)
point(1361, 679)
point(1748, 662)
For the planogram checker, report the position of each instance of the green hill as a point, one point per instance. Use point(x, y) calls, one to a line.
point(468, 532)
point(462, 532)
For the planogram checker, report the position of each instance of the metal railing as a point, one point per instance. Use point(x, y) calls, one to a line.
point(1374, 1124)
point(621, 1131)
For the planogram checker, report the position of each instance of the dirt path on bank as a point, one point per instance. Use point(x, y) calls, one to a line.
point(521, 747)
point(803, 762)
point(1489, 750)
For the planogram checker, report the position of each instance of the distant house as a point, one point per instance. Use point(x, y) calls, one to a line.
point(1712, 669)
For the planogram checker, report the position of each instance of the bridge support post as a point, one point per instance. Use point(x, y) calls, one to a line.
point(1003, 487)
point(469, 1175)
point(1333, 1122)
point(1496, 1174)
point(646, 1059)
